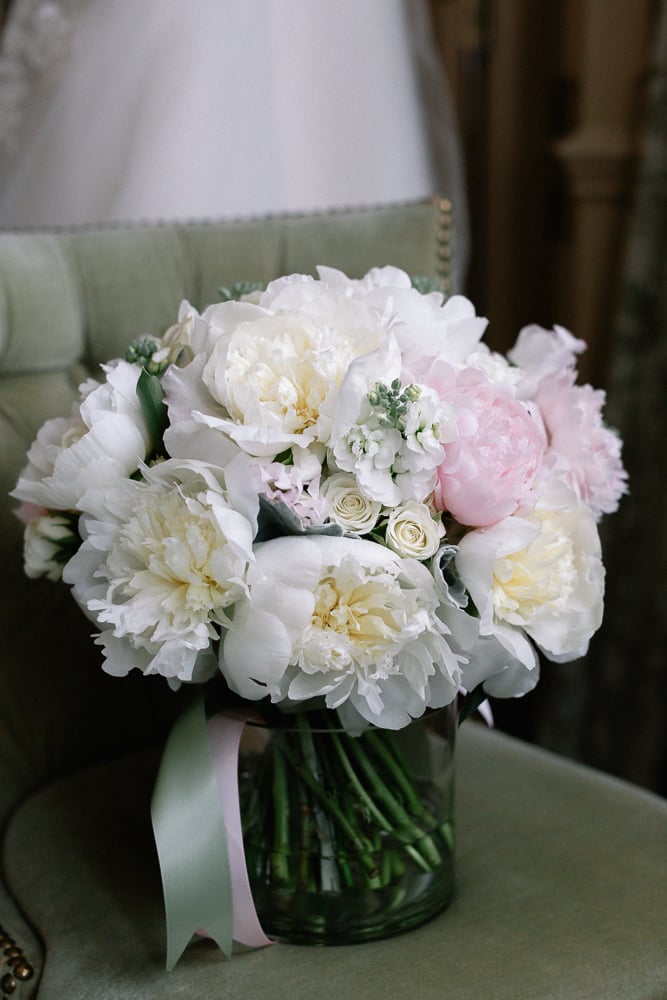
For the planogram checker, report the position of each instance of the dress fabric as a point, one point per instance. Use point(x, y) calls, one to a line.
point(112, 110)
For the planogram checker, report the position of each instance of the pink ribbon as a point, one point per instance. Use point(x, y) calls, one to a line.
point(224, 733)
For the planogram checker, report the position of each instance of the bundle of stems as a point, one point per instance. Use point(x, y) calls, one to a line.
point(328, 810)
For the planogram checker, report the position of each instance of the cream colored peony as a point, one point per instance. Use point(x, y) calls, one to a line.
point(160, 570)
point(103, 441)
point(345, 620)
point(539, 576)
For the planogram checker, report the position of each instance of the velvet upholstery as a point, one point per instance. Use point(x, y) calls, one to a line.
point(560, 896)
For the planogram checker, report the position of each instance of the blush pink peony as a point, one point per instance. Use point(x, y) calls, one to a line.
point(587, 453)
point(489, 472)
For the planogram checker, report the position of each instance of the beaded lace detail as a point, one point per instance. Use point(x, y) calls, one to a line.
point(37, 36)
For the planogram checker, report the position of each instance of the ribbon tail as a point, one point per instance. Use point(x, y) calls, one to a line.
point(225, 735)
point(191, 838)
point(485, 710)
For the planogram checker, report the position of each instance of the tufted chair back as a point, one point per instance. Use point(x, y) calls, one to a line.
point(68, 301)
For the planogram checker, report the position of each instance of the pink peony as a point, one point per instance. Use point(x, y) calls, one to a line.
point(587, 454)
point(541, 353)
point(488, 473)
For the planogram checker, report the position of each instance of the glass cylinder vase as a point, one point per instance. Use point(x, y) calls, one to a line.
point(348, 838)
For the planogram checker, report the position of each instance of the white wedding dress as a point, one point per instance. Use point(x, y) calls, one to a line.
point(118, 110)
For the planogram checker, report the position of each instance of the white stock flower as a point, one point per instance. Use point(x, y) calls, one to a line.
point(159, 572)
point(344, 619)
point(348, 505)
point(103, 441)
point(390, 436)
point(539, 576)
point(413, 532)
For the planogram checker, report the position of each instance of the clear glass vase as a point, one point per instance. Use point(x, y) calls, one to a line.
point(348, 838)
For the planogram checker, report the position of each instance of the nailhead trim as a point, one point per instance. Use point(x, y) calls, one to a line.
point(19, 968)
point(445, 243)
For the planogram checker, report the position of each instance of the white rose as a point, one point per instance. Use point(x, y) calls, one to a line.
point(349, 506)
point(412, 532)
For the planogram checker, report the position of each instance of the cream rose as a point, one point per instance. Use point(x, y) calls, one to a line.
point(412, 532)
point(349, 505)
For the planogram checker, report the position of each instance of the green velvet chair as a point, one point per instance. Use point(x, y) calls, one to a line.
point(562, 872)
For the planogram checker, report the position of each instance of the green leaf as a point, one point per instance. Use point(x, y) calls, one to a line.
point(471, 702)
point(151, 399)
point(285, 457)
point(426, 284)
point(238, 290)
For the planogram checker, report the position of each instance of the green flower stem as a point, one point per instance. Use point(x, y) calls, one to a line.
point(447, 833)
point(305, 823)
point(360, 842)
point(329, 873)
point(340, 794)
point(351, 774)
point(393, 865)
point(281, 832)
point(394, 761)
point(407, 831)
point(369, 804)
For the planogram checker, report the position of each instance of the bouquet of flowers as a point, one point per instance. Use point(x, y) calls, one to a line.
point(329, 499)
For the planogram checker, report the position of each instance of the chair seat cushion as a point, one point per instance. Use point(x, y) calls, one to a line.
point(561, 894)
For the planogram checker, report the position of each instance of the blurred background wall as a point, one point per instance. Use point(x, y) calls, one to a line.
point(563, 113)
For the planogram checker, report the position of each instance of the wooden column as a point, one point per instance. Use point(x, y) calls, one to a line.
point(605, 47)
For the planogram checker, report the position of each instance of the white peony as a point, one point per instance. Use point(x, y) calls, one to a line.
point(541, 354)
point(425, 325)
point(538, 576)
point(159, 572)
point(103, 441)
point(271, 378)
point(47, 540)
point(343, 619)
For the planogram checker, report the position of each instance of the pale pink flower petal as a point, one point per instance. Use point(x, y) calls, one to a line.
point(489, 473)
point(587, 453)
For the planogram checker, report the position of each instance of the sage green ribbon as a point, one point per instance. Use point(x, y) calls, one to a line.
point(191, 838)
